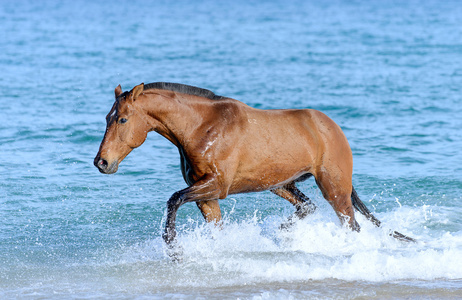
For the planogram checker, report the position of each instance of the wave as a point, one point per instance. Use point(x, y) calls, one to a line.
point(256, 251)
point(250, 256)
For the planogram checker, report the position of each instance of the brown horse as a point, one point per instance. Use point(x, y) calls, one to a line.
point(227, 147)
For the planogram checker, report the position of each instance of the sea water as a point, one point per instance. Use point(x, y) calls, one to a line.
point(388, 72)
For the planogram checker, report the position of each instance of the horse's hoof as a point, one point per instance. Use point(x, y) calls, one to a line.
point(169, 236)
point(287, 225)
point(402, 237)
point(175, 252)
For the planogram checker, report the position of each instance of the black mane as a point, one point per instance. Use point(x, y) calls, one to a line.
point(183, 88)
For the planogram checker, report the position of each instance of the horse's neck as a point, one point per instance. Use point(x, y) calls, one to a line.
point(173, 119)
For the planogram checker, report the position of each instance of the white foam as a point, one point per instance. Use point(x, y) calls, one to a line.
point(256, 251)
point(252, 257)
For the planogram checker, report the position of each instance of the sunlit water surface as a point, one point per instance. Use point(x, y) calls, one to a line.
point(388, 72)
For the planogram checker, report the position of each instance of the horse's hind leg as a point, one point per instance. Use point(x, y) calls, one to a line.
point(344, 210)
point(338, 194)
point(303, 204)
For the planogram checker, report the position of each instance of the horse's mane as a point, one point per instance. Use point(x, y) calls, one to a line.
point(183, 88)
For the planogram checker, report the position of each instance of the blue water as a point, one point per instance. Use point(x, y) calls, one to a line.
point(389, 73)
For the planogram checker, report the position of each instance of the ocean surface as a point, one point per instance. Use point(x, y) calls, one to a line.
point(388, 72)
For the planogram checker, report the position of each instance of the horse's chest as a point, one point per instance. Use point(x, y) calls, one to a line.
point(186, 169)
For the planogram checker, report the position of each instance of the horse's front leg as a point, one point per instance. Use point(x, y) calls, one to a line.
point(203, 190)
point(210, 211)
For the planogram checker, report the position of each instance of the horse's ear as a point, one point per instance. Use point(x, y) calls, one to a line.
point(137, 90)
point(118, 91)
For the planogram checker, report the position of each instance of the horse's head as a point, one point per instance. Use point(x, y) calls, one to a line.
point(126, 129)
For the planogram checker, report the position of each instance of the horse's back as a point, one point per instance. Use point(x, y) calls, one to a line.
point(287, 128)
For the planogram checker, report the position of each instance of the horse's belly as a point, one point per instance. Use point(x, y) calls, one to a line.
point(266, 178)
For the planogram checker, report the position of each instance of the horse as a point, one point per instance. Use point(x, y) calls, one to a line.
point(227, 147)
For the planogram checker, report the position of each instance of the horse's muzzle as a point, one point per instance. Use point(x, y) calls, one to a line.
point(104, 167)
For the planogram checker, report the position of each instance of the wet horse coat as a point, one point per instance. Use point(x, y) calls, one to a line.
point(228, 147)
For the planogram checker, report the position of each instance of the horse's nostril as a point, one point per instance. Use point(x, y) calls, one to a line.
point(102, 164)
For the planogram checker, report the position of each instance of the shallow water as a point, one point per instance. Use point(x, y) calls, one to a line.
point(389, 73)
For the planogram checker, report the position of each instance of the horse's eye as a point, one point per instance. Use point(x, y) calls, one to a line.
point(122, 121)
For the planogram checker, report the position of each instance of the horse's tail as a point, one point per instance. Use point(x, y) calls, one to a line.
point(359, 205)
